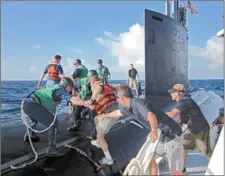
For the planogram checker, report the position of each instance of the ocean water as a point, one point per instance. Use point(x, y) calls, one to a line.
point(12, 92)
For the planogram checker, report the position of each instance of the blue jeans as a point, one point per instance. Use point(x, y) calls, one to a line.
point(52, 132)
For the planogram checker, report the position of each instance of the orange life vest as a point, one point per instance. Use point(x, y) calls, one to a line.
point(106, 99)
point(52, 71)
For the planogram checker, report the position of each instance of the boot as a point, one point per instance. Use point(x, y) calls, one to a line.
point(52, 151)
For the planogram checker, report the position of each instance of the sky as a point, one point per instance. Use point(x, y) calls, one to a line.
point(33, 32)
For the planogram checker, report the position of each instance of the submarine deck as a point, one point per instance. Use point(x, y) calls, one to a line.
point(122, 142)
point(11, 135)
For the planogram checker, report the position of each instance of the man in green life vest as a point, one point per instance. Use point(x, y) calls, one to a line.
point(103, 72)
point(40, 106)
point(81, 79)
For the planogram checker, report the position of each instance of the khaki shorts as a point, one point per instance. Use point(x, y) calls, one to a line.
point(201, 140)
point(105, 125)
point(174, 153)
point(133, 83)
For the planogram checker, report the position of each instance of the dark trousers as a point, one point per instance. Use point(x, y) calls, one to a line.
point(38, 113)
point(77, 114)
point(92, 114)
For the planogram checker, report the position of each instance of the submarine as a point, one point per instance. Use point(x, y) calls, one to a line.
point(166, 63)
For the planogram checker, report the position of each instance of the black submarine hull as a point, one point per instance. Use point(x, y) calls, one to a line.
point(124, 142)
point(122, 134)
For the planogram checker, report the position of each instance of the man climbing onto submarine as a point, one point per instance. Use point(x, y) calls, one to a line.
point(42, 106)
point(170, 142)
point(103, 100)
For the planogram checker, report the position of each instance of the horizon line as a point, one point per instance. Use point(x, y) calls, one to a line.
point(118, 79)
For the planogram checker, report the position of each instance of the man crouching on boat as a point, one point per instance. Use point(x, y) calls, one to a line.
point(40, 106)
point(103, 100)
point(170, 142)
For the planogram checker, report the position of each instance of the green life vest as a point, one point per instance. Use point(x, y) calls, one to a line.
point(85, 93)
point(46, 96)
point(102, 72)
point(83, 72)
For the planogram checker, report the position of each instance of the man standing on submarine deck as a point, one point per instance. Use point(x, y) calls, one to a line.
point(197, 131)
point(54, 71)
point(170, 142)
point(133, 78)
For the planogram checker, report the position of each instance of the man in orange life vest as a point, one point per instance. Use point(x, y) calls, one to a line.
point(54, 71)
point(103, 100)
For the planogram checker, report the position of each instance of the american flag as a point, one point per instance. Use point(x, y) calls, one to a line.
point(192, 8)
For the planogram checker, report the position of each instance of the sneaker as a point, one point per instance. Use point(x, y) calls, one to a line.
point(54, 153)
point(184, 170)
point(95, 143)
point(33, 138)
point(105, 161)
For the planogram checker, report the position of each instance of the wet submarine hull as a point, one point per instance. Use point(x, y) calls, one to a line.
point(166, 63)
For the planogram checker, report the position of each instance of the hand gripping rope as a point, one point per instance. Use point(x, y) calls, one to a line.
point(24, 119)
point(140, 164)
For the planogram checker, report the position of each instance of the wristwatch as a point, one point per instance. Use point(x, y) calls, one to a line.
point(92, 101)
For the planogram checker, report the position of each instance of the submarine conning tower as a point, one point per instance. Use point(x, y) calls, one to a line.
point(166, 51)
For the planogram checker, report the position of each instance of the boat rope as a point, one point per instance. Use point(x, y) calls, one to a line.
point(140, 164)
point(97, 167)
point(24, 119)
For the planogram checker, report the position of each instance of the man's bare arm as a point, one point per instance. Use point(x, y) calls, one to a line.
point(40, 80)
point(61, 75)
point(173, 113)
point(137, 77)
point(41, 77)
point(94, 96)
point(153, 124)
point(115, 114)
point(96, 92)
point(152, 121)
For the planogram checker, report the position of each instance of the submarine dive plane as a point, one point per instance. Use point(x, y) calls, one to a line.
point(166, 63)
